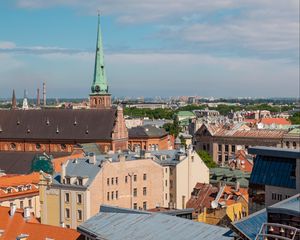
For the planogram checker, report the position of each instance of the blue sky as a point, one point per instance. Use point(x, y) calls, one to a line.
point(221, 48)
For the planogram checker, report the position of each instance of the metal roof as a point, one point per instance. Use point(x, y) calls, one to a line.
point(290, 206)
point(275, 152)
point(134, 225)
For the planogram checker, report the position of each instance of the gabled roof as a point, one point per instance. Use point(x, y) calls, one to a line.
point(16, 180)
point(64, 124)
point(133, 225)
point(15, 225)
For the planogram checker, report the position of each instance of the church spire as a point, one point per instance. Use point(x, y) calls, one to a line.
point(13, 100)
point(99, 83)
point(99, 97)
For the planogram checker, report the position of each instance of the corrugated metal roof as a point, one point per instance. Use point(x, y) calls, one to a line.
point(115, 225)
point(251, 225)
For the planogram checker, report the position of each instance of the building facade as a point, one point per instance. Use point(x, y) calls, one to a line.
point(223, 141)
point(161, 178)
point(21, 191)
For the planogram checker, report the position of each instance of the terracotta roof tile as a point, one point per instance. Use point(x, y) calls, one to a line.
point(16, 225)
point(277, 121)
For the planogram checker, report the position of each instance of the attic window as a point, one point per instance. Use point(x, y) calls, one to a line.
point(75, 122)
point(57, 130)
point(18, 122)
point(47, 121)
point(87, 130)
point(28, 130)
point(13, 146)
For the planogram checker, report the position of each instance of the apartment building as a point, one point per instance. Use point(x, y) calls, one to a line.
point(21, 191)
point(160, 178)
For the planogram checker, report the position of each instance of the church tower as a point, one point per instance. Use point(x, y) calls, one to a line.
point(99, 96)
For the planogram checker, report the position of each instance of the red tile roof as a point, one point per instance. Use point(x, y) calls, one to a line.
point(277, 121)
point(15, 225)
point(16, 180)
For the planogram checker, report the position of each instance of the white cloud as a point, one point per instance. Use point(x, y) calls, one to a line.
point(7, 45)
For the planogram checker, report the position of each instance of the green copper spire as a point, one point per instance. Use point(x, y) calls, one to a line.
point(99, 83)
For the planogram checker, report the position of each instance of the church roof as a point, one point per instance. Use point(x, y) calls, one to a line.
point(59, 124)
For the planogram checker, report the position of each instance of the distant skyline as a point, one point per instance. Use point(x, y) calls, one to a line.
point(220, 48)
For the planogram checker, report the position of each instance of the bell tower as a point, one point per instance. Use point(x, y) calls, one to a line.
point(99, 96)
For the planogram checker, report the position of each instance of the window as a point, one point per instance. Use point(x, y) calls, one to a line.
point(166, 183)
point(134, 178)
point(112, 195)
point(171, 183)
point(21, 204)
point(112, 181)
point(226, 148)
point(30, 203)
point(13, 146)
point(135, 206)
point(126, 179)
point(166, 196)
point(117, 194)
point(37, 146)
point(79, 215)
point(107, 181)
point(192, 158)
point(79, 198)
point(233, 148)
point(294, 145)
point(219, 147)
point(117, 180)
point(144, 205)
point(144, 191)
point(145, 177)
point(287, 144)
point(20, 189)
point(80, 181)
point(166, 170)
point(226, 158)
point(67, 213)
point(134, 192)
point(171, 171)
point(220, 158)
point(63, 146)
point(67, 197)
point(67, 226)
point(68, 180)
point(107, 196)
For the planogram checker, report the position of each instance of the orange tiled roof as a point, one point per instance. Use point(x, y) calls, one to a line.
point(277, 121)
point(57, 162)
point(17, 225)
point(16, 180)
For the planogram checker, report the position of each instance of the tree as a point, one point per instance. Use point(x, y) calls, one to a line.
point(207, 159)
point(295, 119)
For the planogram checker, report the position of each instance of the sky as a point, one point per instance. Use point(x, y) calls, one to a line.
point(220, 48)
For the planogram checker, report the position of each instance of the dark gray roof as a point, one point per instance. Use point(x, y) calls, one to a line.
point(275, 152)
point(133, 225)
point(19, 162)
point(64, 124)
point(147, 131)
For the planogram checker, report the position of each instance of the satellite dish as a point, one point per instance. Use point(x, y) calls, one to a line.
point(214, 204)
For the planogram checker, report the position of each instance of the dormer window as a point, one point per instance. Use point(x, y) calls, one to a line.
point(68, 180)
point(20, 188)
point(80, 182)
point(9, 190)
point(13, 146)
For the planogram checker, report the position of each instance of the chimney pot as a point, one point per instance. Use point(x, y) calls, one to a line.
point(13, 209)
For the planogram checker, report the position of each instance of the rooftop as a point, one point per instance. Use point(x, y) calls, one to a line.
point(147, 131)
point(251, 225)
point(63, 124)
point(14, 226)
point(118, 223)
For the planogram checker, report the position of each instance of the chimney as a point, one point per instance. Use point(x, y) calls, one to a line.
point(13, 209)
point(237, 186)
point(38, 100)
point(63, 172)
point(27, 213)
point(44, 94)
point(92, 158)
